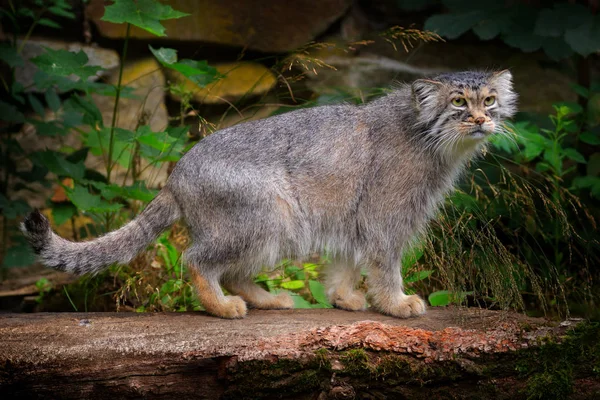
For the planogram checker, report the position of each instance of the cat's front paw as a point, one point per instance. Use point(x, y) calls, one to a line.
point(408, 306)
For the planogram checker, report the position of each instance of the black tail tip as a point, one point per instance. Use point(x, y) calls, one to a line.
point(36, 223)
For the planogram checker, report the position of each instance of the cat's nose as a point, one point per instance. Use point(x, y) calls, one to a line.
point(479, 120)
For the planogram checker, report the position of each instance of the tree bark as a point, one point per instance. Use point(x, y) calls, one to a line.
point(301, 354)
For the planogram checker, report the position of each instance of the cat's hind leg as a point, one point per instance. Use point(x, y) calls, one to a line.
point(341, 278)
point(256, 296)
point(212, 297)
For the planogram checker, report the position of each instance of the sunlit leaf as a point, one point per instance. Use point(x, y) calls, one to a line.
point(145, 14)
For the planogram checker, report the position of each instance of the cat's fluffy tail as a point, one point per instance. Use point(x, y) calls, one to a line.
point(93, 256)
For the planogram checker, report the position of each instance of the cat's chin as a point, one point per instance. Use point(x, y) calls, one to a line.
point(479, 134)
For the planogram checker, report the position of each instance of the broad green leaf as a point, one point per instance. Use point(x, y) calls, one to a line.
point(411, 256)
point(318, 292)
point(52, 99)
point(55, 163)
point(445, 297)
point(64, 63)
point(164, 55)
point(37, 105)
point(198, 72)
point(86, 201)
point(61, 12)
point(293, 285)
point(20, 255)
point(122, 144)
point(532, 150)
point(301, 302)
point(524, 40)
point(419, 276)
point(440, 298)
point(556, 48)
point(9, 55)
point(10, 113)
point(49, 23)
point(50, 128)
point(549, 23)
point(453, 25)
point(138, 191)
point(158, 140)
point(574, 155)
point(145, 14)
point(593, 166)
point(63, 212)
point(12, 209)
point(585, 38)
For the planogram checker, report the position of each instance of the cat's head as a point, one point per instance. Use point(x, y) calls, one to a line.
point(460, 110)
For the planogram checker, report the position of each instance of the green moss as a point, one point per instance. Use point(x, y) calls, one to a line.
point(551, 368)
point(356, 362)
point(322, 358)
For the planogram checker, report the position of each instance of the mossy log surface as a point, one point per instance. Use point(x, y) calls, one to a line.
point(301, 354)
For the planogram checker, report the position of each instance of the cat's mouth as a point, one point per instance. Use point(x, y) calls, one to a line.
point(479, 134)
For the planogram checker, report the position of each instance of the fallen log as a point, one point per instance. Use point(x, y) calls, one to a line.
point(300, 354)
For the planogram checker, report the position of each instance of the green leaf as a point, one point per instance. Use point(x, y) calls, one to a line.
point(556, 48)
point(300, 302)
point(585, 38)
point(10, 113)
point(453, 25)
point(50, 128)
point(440, 298)
point(419, 276)
point(574, 155)
point(164, 55)
point(52, 99)
point(445, 297)
point(18, 256)
point(139, 191)
point(532, 150)
point(549, 23)
point(144, 14)
point(411, 256)
point(293, 285)
point(10, 56)
point(64, 63)
point(58, 165)
point(158, 140)
point(86, 201)
point(198, 72)
point(593, 166)
point(12, 209)
point(318, 292)
point(524, 40)
point(37, 105)
point(49, 23)
point(63, 212)
point(61, 12)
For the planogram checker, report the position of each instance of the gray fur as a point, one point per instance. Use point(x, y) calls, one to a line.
point(359, 181)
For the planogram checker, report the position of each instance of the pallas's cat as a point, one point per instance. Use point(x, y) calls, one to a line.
point(358, 181)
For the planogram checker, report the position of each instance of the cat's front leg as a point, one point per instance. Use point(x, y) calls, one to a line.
point(386, 291)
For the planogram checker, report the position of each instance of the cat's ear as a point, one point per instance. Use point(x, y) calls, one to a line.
point(502, 79)
point(424, 91)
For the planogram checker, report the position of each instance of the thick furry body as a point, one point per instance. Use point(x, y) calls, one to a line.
point(358, 181)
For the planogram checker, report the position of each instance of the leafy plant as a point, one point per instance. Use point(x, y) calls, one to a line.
point(561, 29)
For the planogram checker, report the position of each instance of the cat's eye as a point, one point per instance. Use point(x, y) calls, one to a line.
point(489, 101)
point(459, 101)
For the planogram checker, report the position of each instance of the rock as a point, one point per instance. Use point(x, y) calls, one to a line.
point(377, 64)
point(105, 58)
point(240, 79)
point(268, 26)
